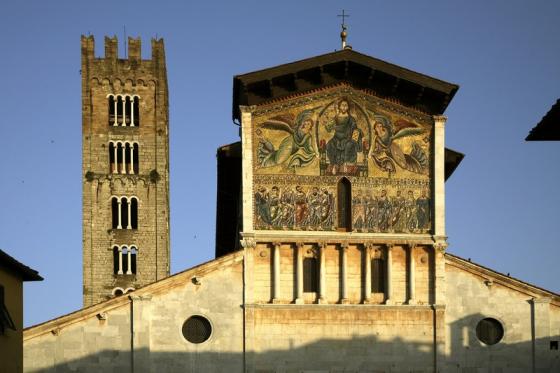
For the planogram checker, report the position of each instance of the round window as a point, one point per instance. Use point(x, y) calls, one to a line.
point(197, 329)
point(489, 331)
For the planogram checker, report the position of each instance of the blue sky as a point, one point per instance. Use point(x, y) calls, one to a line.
point(502, 203)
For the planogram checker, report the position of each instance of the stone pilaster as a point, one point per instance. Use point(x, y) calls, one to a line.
point(541, 336)
point(343, 273)
point(140, 316)
point(247, 166)
point(411, 275)
point(389, 275)
point(439, 176)
point(299, 273)
point(322, 274)
point(276, 272)
point(367, 272)
point(439, 272)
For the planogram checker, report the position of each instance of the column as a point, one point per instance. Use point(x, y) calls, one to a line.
point(120, 271)
point(115, 164)
point(411, 280)
point(115, 116)
point(299, 274)
point(129, 207)
point(276, 273)
point(123, 105)
point(131, 169)
point(129, 261)
point(119, 225)
point(322, 274)
point(388, 285)
point(439, 176)
point(132, 98)
point(343, 270)
point(367, 273)
point(123, 153)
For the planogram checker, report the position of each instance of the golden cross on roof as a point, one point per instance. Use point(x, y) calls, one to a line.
point(343, 33)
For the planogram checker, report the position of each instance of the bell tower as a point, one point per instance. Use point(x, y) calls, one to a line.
point(125, 169)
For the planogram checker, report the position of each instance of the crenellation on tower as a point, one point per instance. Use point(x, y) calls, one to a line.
point(134, 49)
point(125, 143)
point(111, 49)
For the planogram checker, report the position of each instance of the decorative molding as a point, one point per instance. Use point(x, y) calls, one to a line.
point(248, 243)
point(247, 108)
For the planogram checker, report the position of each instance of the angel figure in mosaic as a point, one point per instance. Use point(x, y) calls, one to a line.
point(296, 149)
point(387, 154)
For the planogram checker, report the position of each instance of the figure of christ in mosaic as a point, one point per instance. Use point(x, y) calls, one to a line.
point(295, 150)
point(387, 154)
point(305, 208)
point(393, 213)
point(343, 134)
point(346, 141)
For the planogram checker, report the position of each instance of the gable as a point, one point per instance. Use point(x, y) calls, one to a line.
point(387, 80)
point(305, 147)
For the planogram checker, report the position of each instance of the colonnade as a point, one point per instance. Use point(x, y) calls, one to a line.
point(367, 273)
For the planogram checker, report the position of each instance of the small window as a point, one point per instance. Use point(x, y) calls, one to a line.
point(124, 212)
point(554, 345)
point(489, 331)
point(124, 110)
point(377, 275)
point(197, 329)
point(310, 275)
point(344, 205)
point(124, 260)
point(6, 321)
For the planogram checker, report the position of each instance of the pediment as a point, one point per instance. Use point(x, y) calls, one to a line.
point(383, 79)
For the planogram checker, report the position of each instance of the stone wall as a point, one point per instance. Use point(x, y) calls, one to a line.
point(530, 322)
point(11, 347)
point(144, 330)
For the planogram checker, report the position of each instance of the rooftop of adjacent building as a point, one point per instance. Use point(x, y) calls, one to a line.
point(26, 273)
point(548, 129)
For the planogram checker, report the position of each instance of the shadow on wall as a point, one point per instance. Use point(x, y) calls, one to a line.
point(356, 354)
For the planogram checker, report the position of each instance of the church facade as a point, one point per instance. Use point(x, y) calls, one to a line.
point(331, 250)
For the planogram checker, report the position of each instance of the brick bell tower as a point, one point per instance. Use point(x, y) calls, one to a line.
point(125, 169)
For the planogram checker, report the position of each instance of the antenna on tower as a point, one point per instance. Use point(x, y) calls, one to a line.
point(124, 38)
point(343, 33)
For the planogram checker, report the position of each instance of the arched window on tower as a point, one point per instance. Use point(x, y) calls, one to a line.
point(123, 157)
point(124, 212)
point(135, 159)
point(136, 111)
point(112, 110)
point(124, 110)
point(124, 260)
point(344, 207)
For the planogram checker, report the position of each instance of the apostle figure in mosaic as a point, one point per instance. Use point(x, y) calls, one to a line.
point(410, 209)
point(423, 211)
point(301, 207)
point(346, 142)
point(398, 218)
point(372, 218)
point(296, 149)
point(327, 207)
point(383, 211)
point(287, 218)
point(314, 202)
point(262, 205)
point(275, 208)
